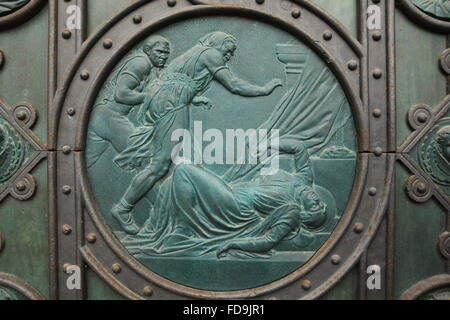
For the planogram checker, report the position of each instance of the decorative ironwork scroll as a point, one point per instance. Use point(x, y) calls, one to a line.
point(20, 150)
point(425, 153)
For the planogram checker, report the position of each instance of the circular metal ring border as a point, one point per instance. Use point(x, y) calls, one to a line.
point(317, 10)
point(423, 18)
point(425, 286)
point(116, 246)
point(20, 286)
point(137, 37)
point(21, 15)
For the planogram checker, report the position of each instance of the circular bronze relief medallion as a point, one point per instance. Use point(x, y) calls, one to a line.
point(222, 152)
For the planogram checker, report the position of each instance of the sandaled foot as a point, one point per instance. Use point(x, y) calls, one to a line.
point(125, 219)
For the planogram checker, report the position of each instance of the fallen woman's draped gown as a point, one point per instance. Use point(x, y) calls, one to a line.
point(197, 211)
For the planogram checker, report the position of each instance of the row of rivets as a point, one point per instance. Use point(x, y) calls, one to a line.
point(117, 267)
point(85, 75)
point(335, 259)
point(66, 228)
point(377, 74)
point(67, 34)
point(352, 64)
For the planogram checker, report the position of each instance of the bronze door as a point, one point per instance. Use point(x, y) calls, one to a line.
point(269, 149)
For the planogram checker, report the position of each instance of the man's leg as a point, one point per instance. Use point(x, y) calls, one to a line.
point(113, 127)
point(146, 179)
point(107, 127)
point(141, 184)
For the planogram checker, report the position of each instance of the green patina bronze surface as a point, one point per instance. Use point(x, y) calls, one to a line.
point(9, 6)
point(25, 224)
point(418, 226)
point(199, 225)
point(438, 8)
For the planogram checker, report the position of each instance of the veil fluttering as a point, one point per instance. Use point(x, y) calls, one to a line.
point(312, 111)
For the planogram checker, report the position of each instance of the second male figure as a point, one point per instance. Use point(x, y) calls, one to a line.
point(111, 124)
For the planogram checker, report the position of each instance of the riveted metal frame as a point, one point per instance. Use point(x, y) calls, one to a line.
point(21, 15)
point(379, 47)
point(62, 49)
point(375, 174)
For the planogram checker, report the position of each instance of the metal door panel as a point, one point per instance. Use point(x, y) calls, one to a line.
point(24, 225)
point(397, 218)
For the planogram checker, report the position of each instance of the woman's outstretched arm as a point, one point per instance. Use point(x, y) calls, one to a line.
point(213, 60)
point(242, 87)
